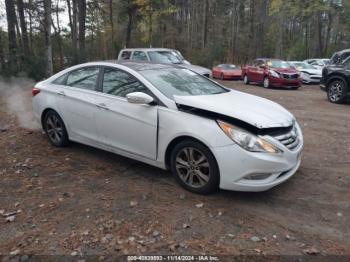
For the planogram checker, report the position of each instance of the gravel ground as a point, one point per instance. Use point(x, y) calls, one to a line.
point(81, 201)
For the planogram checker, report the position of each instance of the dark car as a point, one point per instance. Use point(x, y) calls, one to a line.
point(336, 81)
point(272, 73)
point(339, 57)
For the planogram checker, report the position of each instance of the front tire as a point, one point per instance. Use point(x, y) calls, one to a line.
point(245, 80)
point(266, 82)
point(195, 167)
point(55, 129)
point(336, 91)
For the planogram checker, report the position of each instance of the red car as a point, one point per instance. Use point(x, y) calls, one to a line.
point(227, 71)
point(272, 73)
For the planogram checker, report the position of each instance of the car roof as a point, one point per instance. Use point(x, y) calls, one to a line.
point(147, 49)
point(141, 66)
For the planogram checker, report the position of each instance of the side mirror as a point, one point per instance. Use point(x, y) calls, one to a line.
point(139, 98)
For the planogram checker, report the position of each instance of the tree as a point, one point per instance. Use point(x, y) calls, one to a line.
point(23, 24)
point(48, 43)
point(82, 28)
point(11, 30)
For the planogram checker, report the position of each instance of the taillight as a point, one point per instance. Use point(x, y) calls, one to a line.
point(35, 91)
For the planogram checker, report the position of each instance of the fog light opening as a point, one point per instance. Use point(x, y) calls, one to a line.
point(257, 176)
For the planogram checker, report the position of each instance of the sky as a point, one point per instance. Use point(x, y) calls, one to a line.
point(64, 20)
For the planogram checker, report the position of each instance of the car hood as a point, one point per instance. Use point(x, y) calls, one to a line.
point(198, 69)
point(256, 111)
point(312, 71)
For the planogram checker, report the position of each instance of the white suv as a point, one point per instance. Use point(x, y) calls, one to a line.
point(161, 56)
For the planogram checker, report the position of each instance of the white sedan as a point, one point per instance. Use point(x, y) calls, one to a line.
point(310, 74)
point(209, 136)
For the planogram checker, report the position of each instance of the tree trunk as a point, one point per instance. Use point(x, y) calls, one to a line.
point(205, 24)
point(30, 26)
point(112, 26)
point(11, 30)
point(150, 32)
point(81, 37)
point(129, 29)
point(48, 43)
point(23, 28)
point(2, 60)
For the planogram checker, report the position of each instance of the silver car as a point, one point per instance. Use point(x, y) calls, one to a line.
point(161, 56)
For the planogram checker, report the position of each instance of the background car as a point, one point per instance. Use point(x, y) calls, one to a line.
point(309, 73)
point(209, 136)
point(336, 81)
point(339, 57)
point(272, 73)
point(319, 63)
point(227, 72)
point(161, 56)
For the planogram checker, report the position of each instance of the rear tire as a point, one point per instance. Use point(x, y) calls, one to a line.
point(55, 129)
point(195, 167)
point(245, 80)
point(336, 91)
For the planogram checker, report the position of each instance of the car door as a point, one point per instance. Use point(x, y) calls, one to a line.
point(122, 125)
point(77, 103)
point(252, 71)
point(260, 71)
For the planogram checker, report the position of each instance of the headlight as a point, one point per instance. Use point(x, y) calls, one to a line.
point(274, 74)
point(247, 140)
point(304, 75)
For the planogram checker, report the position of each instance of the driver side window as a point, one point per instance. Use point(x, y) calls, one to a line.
point(139, 56)
point(120, 83)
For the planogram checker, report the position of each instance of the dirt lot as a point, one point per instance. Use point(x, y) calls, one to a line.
point(82, 201)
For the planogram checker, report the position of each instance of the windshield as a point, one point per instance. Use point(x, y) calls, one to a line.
point(227, 67)
point(181, 82)
point(165, 57)
point(278, 64)
point(303, 66)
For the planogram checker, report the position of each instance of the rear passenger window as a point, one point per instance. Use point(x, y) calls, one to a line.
point(120, 83)
point(126, 55)
point(139, 56)
point(61, 80)
point(85, 78)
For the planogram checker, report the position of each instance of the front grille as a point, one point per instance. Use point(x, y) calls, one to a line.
point(290, 76)
point(290, 139)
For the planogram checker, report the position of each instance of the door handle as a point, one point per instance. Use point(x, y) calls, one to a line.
point(102, 106)
point(61, 93)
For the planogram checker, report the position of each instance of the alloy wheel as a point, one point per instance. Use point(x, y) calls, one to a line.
point(266, 82)
point(245, 79)
point(54, 129)
point(335, 91)
point(192, 167)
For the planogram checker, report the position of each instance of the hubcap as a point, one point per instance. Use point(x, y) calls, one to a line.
point(54, 128)
point(266, 82)
point(193, 167)
point(335, 91)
